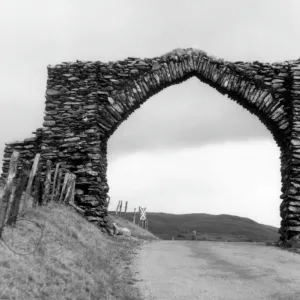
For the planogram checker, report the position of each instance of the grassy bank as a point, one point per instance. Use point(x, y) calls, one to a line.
point(72, 258)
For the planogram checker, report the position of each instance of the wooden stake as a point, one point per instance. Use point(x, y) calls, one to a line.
point(30, 180)
point(46, 194)
point(59, 179)
point(133, 221)
point(73, 189)
point(146, 224)
point(14, 208)
point(8, 188)
point(69, 187)
point(67, 175)
point(54, 182)
point(37, 188)
point(125, 210)
point(120, 211)
point(117, 209)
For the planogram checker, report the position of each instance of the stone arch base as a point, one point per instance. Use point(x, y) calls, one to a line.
point(86, 102)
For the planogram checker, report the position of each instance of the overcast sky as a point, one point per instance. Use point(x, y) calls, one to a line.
point(187, 149)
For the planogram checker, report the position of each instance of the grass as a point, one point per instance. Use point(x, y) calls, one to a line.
point(73, 260)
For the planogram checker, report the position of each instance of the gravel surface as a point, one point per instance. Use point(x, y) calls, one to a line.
point(192, 270)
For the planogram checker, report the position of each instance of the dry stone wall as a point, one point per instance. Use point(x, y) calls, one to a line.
point(27, 149)
point(86, 102)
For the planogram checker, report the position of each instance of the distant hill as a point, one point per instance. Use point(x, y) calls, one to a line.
point(210, 227)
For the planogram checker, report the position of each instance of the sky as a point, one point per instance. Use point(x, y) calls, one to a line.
point(188, 149)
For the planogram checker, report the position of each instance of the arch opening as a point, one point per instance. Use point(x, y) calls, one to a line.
point(132, 175)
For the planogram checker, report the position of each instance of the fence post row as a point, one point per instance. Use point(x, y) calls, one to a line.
point(9, 210)
point(43, 194)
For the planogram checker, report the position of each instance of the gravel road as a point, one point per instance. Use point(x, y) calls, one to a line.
point(192, 270)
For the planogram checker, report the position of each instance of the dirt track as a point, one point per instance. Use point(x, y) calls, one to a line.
point(192, 270)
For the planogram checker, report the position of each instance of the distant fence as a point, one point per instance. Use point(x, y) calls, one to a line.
point(142, 220)
point(58, 186)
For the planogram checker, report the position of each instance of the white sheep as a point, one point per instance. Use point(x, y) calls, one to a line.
point(121, 230)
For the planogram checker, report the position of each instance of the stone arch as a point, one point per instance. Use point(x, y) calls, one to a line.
point(87, 101)
point(242, 82)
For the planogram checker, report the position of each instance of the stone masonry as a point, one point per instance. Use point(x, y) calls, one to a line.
point(86, 102)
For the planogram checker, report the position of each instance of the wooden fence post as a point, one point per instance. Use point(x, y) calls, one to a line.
point(133, 221)
point(30, 180)
point(59, 179)
point(14, 208)
point(117, 209)
point(69, 187)
point(73, 189)
point(120, 211)
point(66, 179)
point(125, 210)
point(8, 188)
point(46, 193)
point(37, 195)
point(54, 182)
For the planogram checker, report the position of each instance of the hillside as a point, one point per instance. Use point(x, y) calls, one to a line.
point(72, 258)
point(212, 227)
